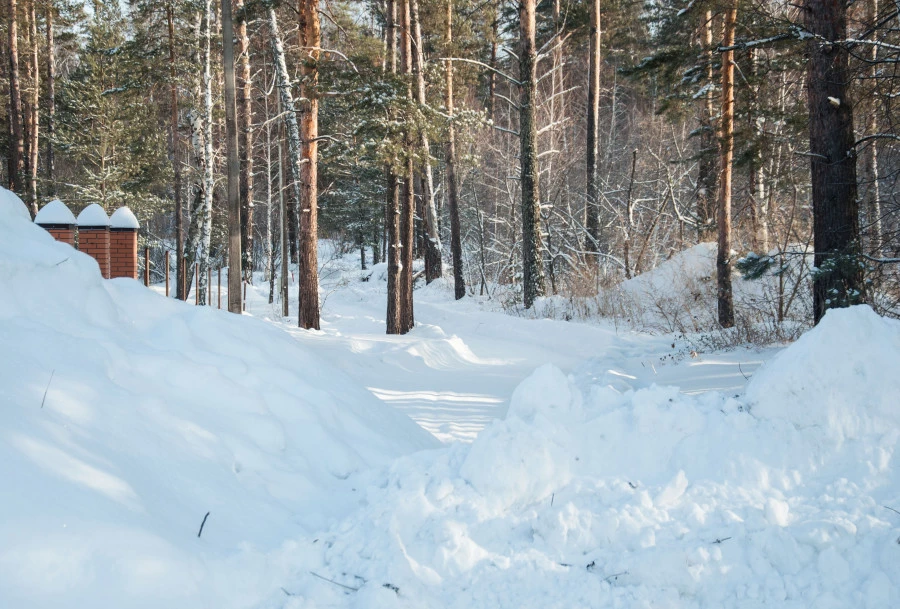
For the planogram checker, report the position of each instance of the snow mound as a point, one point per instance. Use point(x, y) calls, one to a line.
point(647, 498)
point(835, 378)
point(55, 212)
point(11, 202)
point(93, 215)
point(125, 417)
point(123, 218)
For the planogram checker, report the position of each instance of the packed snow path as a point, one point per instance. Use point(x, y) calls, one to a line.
point(455, 372)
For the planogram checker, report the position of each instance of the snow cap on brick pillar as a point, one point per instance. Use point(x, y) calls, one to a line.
point(123, 237)
point(56, 219)
point(11, 202)
point(93, 235)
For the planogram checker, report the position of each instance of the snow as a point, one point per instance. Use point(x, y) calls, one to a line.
point(55, 212)
point(581, 465)
point(93, 215)
point(127, 416)
point(11, 202)
point(123, 218)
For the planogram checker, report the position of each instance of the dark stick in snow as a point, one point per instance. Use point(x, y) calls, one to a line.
point(200, 532)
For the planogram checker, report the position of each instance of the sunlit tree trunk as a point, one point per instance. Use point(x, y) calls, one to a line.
point(593, 118)
point(17, 147)
point(245, 140)
point(725, 297)
point(459, 282)
point(532, 271)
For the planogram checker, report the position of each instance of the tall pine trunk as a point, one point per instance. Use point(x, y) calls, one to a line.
point(838, 281)
point(51, 97)
point(433, 268)
point(532, 267)
point(31, 107)
point(459, 282)
point(707, 172)
point(407, 190)
point(725, 297)
point(233, 166)
point(392, 203)
point(205, 220)
point(17, 146)
point(173, 155)
point(593, 118)
point(308, 316)
point(245, 143)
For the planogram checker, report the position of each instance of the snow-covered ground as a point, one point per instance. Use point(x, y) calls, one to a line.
point(581, 465)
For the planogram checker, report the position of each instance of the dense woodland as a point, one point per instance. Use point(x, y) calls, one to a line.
point(521, 149)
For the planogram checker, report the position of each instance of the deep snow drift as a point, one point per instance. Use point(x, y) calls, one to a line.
point(647, 498)
point(125, 417)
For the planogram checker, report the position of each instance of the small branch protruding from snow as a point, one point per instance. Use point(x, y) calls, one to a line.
point(44, 399)
point(200, 532)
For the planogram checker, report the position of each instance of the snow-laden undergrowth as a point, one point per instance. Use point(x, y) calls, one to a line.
point(646, 498)
point(126, 417)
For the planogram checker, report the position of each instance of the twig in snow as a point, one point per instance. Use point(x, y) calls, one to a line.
point(552, 497)
point(331, 581)
point(746, 378)
point(288, 593)
point(200, 532)
point(614, 575)
point(44, 399)
point(720, 540)
point(60, 262)
point(887, 507)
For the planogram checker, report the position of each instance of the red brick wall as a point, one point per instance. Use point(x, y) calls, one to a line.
point(123, 253)
point(65, 235)
point(95, 243)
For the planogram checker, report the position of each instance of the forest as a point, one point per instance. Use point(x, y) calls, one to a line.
point(533, 153)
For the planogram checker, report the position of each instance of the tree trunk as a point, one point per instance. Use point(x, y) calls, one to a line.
point(407, 192)
point(433, 265)
point(17, 146)
point(838, 281)
point(173, 156)
point(593, 117)
point(723, 255)
point(245, 142)
point(309, 150)
point(31, 107)
point(459, 282)
point(870, 167)
point(392, 204)
point(707, 173)
point(205, 220)
point(235, 298)
point(51, 97)
point(532, 267)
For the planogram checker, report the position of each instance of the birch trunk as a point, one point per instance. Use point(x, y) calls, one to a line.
point(593, 118)
point(173, 155)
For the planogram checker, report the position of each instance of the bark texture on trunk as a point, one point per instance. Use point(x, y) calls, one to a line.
point(593, 118)
point(233, 165)
point(51, 97)
point(310, 34)
point(532, 267)
point(407, 193)
point(839, 279)
point(173, 155)
point(31, 107)
point(459, 282)
point(707, 172)
point(392, 203)
point(245, 141)
point(17, 146)
point(724, 294)
point(433, 268)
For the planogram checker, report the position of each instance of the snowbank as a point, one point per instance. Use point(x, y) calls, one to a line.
point(125, 417)
point(646, 498)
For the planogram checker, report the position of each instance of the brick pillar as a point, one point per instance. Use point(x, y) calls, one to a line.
point(57, 220)
point(123, 244)
point(93, 236)
point(123, 252)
